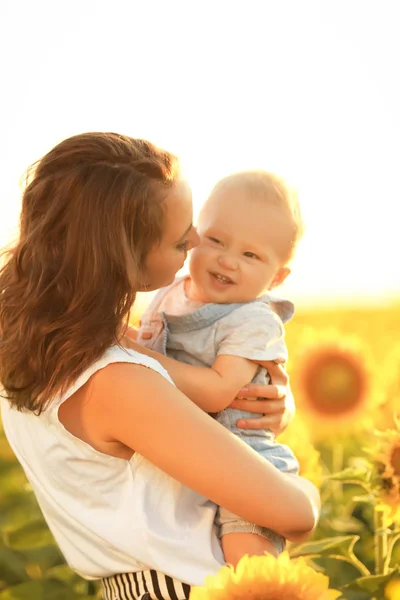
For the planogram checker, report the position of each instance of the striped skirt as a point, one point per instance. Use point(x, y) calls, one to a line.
point(144, 585)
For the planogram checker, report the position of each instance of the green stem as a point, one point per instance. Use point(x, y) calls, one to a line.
point(381, 541)
point(337, 467)
point(392, 543)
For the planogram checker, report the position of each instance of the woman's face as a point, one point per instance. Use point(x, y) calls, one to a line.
point(164, 260)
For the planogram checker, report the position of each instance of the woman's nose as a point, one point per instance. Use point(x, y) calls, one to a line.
point(227, 262)
point(195, 238)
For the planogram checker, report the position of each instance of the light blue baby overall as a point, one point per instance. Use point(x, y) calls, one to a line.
point(251, 330)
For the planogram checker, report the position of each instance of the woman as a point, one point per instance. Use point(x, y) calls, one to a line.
point(125, 467)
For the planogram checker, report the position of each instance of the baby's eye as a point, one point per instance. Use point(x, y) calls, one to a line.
point(250, 255)
point(213, 239)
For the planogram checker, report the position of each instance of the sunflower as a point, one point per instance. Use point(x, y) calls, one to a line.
point(392, 590)
point(333, 385)
point(297, 438)
point(266, 578)
point(390, 407)
point(387, 470)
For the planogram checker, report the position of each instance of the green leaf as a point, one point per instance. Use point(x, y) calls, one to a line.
point(19, 513)
point(352, 475)
point(32, 535)
point(366, 498)
point(26, 591)
point(58, 590)
point(338, 548)
point(50, 589)
point(12, 567)
point(13, 480)
point(345, 524)
point(342, 545)
point(372, 584)
point(357, 595)
point(82, 588)
point(46, 557)
point(63, 573)
point(6, 454)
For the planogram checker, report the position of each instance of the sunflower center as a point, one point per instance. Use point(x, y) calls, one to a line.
point(395, 460)
point(334, 383)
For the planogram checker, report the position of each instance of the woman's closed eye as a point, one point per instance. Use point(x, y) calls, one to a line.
point(183, 246)
point(250, 255)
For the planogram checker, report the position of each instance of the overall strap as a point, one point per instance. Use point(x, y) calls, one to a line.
point(205, 316)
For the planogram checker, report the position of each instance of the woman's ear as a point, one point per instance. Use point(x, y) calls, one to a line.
point(280, 277)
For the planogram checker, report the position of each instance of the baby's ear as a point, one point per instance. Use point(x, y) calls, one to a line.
point(280, 277)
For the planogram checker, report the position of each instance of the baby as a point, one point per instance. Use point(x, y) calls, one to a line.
point(221, 316)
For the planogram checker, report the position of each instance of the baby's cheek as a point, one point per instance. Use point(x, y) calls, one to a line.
point(207, 252)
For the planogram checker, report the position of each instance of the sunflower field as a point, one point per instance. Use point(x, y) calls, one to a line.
point(345, 375)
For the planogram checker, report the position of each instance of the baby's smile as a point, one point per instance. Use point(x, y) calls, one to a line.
point(222, 278)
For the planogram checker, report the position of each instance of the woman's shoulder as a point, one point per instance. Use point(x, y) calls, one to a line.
point(129, 356)
point(118, 362)
point(107, 398)
point(115, 361)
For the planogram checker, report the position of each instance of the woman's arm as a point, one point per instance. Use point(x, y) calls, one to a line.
point(152, 417)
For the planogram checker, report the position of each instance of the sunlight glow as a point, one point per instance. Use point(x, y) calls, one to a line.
point(304, 89)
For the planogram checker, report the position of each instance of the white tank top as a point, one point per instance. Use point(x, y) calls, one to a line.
point(110, 515)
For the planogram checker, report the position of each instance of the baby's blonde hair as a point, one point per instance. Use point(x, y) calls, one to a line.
point(273, 189)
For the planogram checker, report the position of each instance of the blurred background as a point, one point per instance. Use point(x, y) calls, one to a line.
point(306, 89)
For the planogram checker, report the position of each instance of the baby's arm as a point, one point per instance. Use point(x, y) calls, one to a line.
point(213, 389)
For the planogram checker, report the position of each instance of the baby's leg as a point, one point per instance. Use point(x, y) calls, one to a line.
point(239, 537)
point(236, 545)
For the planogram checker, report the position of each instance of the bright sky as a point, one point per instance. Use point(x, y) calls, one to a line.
point(308, 89)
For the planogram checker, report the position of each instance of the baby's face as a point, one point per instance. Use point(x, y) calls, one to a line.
point(241, 241)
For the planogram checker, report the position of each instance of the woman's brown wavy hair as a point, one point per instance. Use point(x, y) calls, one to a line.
point(90, 214)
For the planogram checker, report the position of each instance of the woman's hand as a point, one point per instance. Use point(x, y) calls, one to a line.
point(276, 401)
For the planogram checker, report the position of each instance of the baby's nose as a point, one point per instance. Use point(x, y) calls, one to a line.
point(228, 262)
